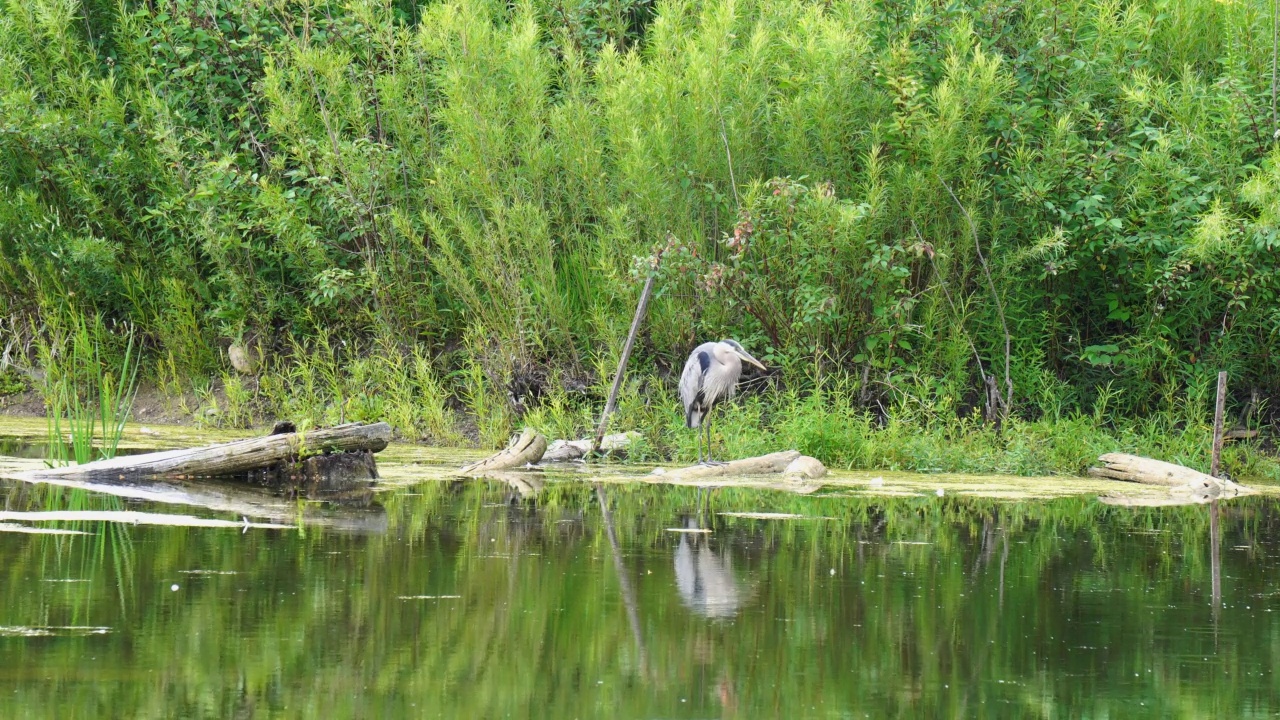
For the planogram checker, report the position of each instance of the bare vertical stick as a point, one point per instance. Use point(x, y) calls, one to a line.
point(622, 363)
point(1218, 409)
point(1006, 401)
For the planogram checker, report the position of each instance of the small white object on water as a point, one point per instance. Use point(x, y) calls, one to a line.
point(877, 482)
point(174, 587)
point(941, 492)
point(147, 431)
point(833, 571)
point(659, 471)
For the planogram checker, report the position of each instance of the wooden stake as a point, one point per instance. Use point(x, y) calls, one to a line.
point(622, 363)
point(1218, 409)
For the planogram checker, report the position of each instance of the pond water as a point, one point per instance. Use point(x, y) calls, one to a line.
point(472, 600)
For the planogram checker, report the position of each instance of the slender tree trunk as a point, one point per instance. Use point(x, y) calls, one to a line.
point(1218, 411)
point(622, 361)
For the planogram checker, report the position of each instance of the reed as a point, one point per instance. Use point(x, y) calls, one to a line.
point(88, 399)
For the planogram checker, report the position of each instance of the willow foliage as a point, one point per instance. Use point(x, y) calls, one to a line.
point(479, 180)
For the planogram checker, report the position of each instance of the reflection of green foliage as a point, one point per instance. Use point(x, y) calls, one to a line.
point(1068, 608)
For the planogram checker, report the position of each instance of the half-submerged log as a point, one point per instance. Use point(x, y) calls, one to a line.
point(1185, 484)
point(763, 465)
point(244, 457)
point(524, 450)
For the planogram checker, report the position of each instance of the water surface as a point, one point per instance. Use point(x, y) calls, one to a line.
point(471, 599)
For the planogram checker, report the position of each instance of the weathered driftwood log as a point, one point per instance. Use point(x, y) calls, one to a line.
point(568, 450)
point(232, 458)
point(805, 468)
point(525, 450)
point(763, 465)
point(1193, 485)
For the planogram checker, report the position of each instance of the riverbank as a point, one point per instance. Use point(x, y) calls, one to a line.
point(825, 425)
point(404, 464)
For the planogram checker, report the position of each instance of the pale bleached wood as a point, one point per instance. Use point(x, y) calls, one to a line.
point(1219, 411)
point(762, 465)
point(569, 450)
point(805, 468)
point(1134, 468)
point(526, 450)
point(1185, 484)
point(230, 458)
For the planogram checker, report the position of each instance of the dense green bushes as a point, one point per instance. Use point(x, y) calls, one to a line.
point(467, 188)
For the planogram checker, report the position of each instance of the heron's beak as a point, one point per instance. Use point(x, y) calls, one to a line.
point(746, 356)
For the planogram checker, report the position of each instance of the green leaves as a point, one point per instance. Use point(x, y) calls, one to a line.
point(475, 169)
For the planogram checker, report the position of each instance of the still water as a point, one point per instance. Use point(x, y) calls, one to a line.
point(471, 600)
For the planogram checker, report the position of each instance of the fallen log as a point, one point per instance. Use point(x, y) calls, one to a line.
point(524, 450)
point(1187, 484)
point(232, 458)
point(805, 468)
point(569, 450)
point(762, 465)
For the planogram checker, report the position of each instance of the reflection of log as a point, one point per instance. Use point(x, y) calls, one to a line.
point(567, 450)
point(526, 450)
point(763, 465)
point(1191, 485)
point(233, 498)
point(343, 475)
point(527, 484)
point(234, 457)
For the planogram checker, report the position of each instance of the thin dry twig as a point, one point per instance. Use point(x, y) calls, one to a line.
point(1007, 400)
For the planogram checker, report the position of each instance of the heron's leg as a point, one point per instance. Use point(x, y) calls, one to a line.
point(709, 460)
point(697, 432)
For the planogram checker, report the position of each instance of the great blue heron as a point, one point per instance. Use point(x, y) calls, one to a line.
point(710, 375)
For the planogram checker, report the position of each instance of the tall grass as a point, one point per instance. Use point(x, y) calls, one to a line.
point(88, 398)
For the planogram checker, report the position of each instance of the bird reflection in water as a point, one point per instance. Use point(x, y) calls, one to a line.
point(705, 578)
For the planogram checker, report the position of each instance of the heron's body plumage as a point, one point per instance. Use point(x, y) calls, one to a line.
point(709, 376)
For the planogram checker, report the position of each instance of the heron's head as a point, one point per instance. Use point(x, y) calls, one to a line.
point(743, 353)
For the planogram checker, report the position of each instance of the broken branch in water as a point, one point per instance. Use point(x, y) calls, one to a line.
point(525, 450)
point(1185, 484)
point(233, 457)
point(790, 462)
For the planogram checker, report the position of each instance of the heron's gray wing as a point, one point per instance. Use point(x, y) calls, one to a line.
point(691, 377)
